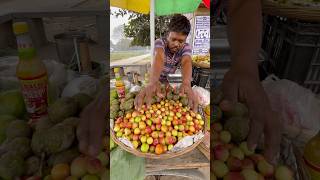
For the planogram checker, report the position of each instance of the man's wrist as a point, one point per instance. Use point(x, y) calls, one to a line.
point(186, 83)
point(245, 65)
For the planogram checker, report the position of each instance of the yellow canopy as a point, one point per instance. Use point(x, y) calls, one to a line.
point(140, 6)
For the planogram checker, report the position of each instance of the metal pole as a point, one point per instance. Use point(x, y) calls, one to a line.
point(152, 27)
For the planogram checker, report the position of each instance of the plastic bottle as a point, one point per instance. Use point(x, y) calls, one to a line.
point(120, 86)
point(31, 73)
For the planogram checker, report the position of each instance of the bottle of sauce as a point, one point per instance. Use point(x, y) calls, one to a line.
point(120, 86)
point(311, 157)
point(31, 73)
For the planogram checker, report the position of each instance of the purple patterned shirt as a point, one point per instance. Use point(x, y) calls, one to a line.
point(172, 61)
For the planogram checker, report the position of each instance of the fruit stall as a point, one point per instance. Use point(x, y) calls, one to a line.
point(165, 135)
point(47, 149)
point(40, 105)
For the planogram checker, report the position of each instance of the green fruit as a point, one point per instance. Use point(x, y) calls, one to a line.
point(225, 136)
point(244, 147)
point(129, 96)
point(82, 100)
point(12, 103)
point(113, 114)
point(19, 146)
point(11, 166)
point(112, 144)
point(90, 177)
point(237, 152)
point(184, 101)
point(78, 167)
point(32, 165)
point(120, 114)
point(239, 110)
point(18, 128)
point(176, 97)
point(220, 169)
point(56, 139)
point(250, 174)
point(238, 128)
point(43, 124)
point(62, 109)
point(4, 121)
point(144, 147)
point(63, 157)
point(72, 121)
point(113, 94)
point(284, 173)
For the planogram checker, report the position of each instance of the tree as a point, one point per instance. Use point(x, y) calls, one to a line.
point(112, 44)
point(118, 32)
point(138, 27)
point(123, 44)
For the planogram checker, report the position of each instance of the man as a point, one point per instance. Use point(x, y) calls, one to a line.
point(241, 83)
point(170, 53)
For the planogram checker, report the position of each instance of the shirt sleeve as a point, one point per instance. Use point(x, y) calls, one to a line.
point(159, 44)
point(187, 51)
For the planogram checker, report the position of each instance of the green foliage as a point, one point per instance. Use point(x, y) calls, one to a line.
point(138, 27)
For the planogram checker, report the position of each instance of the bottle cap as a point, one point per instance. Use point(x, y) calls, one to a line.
point(20, 28)
point(116, 70)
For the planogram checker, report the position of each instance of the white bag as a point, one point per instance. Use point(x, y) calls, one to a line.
point(298, 106)
point(203, 94)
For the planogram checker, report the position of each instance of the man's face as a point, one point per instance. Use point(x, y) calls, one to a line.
point(176, 41)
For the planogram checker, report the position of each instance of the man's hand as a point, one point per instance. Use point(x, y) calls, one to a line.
point(243, 86)
point(193, 99)
point(92, 128)
point(147, 94)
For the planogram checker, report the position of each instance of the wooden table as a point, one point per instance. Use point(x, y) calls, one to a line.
point(187, 165)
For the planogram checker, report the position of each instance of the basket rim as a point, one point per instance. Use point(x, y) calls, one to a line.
point(166, 155)
point(306, 13)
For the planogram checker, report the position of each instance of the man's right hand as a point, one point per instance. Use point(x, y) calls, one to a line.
point(147, 94)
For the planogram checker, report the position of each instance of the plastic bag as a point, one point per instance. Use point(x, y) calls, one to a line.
point(84, 84)
point(56, 72)
point(297, 105)
point(124, 165)
point(203, 94)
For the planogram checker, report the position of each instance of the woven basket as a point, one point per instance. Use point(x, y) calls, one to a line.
point(166, 155)
point(299, 12)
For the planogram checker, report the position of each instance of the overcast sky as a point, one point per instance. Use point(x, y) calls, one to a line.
point(116, 21)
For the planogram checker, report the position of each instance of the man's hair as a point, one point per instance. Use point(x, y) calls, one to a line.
point(179, 23)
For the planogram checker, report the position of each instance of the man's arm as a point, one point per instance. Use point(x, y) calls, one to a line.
point(186, 65)
point(244, 33)
point(242, 83)
point(157, 65)
point(153, 87)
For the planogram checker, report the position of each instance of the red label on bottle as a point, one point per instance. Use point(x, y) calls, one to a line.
point(121, 91)
point(35, 93)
